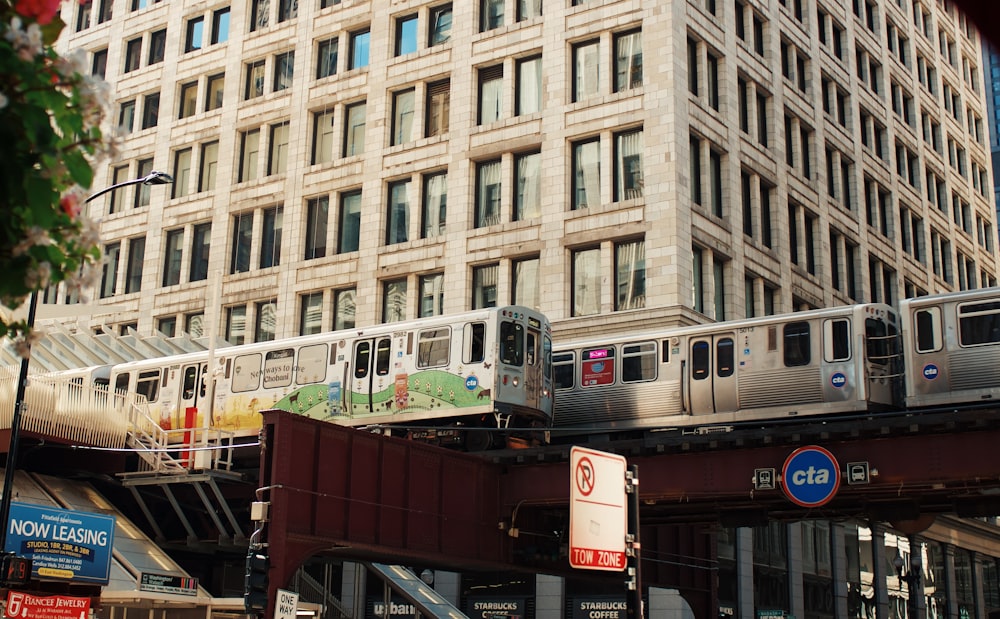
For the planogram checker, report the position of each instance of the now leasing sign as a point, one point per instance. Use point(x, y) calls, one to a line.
point(597, 510)
point(62, 544)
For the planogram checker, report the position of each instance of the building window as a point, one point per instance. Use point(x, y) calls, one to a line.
point(116, 199)
point(189, 100)
point(194, 324)
point(628, 61)
point(527, 291)
point(264, 327)
point(83, 16)
point(440, 25)
point(354, 129)
point(586, 282)
point(484, 286)
point(173, 254)
point(182, 172)
point(239, 256)
point(349, 230)
point(628, 165)
point(167, 326)
point(528, 188)
point(529, 86)
point(270, 244)
point(311, 313)
point(284, 66)
point(255, 80)
point(438, 107)
point(157, 46)
point(586, 70)
point(249, 151)
point(133, 268)
point(214, 90)
point(359, 49)
point(277, 154)
point(394, 301)
point(402, 117)
point(195, 34)
point(528, 9)
point(142, 192)
point(344, 309)
point(126, 116)
point(317, 220)
point(259, 10)
point(406, 35)
point(287, 9)
point(488, 194)
point(490, 94)
point(99, 63)
point(490, 14)
point(326, 58)
point(236, 324)
point(209, 165)
point(431, 295)
point(398, 217)
point(323, 137)
point(630, 275)
point(109, 270)
point(434, 205)
point(133, 53)
point(220, 26)
point(200, 246)
point(587, 174)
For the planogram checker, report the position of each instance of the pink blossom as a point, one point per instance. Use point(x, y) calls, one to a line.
point(70, 204)
point(41, 10)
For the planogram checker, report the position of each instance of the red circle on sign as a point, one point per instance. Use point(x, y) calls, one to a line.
point(585, 476)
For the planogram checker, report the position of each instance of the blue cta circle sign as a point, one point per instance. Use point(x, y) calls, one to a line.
point(810, 476)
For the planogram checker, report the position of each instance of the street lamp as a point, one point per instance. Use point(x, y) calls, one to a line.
point(911, 577)
point(153, 178)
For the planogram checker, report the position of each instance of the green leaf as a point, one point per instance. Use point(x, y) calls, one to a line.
point(79, 169)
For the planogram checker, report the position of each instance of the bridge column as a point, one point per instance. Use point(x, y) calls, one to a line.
point(353, 583)
point(797, 601)
point(744, 572)
point(838, 559)
point(879, 563)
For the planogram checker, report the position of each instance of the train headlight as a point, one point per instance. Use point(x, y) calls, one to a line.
point(516, 381)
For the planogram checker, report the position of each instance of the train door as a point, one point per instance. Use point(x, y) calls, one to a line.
point(193, 395)
point(533, 368)
point(881, 360)
point(712, 378)
point(371, 363)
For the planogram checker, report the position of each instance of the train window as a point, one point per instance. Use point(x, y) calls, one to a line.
point(837, 340)
point(979, 323)
point(597, 366)
point(797, 351)
point(638, 362)
point(433, 347)
point(383, 354)
point(725, 357)
point(927, 334)
point(532, 347)
point(474, 342)
point(511, 343)
point(880, 340)
point(665, 351)
point(148, 384)
point(362, 359)
point(121, 383)
point(246, 373)
point(547, 357)
point(311, 367)
point(278, 368)
point(190, 376)
point(562, 367)
point(701, 360)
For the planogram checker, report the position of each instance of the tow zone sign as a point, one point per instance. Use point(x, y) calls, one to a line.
point(597, 510)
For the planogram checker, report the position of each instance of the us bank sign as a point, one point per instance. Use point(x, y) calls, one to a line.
point(62, 544)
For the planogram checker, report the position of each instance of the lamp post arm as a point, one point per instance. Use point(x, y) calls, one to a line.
point(153, 178)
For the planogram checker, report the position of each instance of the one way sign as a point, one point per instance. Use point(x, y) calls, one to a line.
point(286, 604)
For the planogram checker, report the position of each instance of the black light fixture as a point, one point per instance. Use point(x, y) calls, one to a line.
point(910, 574)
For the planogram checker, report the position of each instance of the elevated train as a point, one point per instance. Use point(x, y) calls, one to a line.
point(488, 368)
point(941, 350)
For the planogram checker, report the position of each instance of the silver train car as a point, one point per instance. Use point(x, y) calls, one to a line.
point(488, 368)
point(814, 362)
point(952, 348)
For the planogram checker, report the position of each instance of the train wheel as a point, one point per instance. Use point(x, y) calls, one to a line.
point(479, 439)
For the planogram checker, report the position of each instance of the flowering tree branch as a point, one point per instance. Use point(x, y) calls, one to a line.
point(51, 112)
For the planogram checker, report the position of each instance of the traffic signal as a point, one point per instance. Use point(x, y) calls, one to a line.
point(255, 586)
point(15, 570)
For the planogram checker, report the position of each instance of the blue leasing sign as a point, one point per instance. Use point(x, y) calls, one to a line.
point(62, 544)
point(811, 476)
